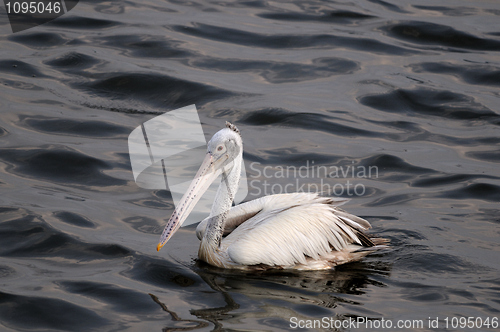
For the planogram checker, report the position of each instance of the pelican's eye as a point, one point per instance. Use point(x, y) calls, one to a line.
point(220, 147)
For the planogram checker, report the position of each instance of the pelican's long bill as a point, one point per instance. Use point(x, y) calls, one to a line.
point(207, 174)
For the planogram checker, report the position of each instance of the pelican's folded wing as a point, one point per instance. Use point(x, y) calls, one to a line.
point(309, 226)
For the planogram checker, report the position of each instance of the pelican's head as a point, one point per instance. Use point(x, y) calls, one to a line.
point(225, 146)
point(222, 149)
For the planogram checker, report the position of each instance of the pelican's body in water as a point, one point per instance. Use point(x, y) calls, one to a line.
point(292, 231)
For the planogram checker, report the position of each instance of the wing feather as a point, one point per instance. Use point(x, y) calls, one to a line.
point(288, 229)
point(353, 221)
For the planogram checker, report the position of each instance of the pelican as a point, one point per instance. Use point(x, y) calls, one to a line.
point(302, 231)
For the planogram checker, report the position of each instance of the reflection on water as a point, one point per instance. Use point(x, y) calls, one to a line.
point(197, 324)
point(286, 294)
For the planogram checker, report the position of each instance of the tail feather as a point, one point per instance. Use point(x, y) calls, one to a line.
point(377, 241)
point(371, 249)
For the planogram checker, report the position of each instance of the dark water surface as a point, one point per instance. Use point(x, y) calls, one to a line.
point(410, 87)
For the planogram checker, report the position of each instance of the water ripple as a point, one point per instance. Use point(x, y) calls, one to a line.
point(146, 46)
point(423, 102)
point(41, 314)
point(309, 121)
point(472, 74)
point(59, 164)
point(70, 127)
point(73, 60)
point(28, 236)
point(74, 219)
point(42, 40)
point(336, 16)
point(20, 68)
point(437, 34)
point(280, 72)
point(79, 22)
point(240, 37)
point(118, 298)
point(150, 89)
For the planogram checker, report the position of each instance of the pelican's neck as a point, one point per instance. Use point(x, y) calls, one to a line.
point(223, 200)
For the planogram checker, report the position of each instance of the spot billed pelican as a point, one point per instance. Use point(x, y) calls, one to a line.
point(292, 231)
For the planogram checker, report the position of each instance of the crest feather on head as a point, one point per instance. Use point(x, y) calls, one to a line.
point(232, 127)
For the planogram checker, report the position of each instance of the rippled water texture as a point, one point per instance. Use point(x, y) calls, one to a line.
point(411, 87)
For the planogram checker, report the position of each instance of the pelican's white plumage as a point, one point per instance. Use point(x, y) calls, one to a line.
point(299, 231)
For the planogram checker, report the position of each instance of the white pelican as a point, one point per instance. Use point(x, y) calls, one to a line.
point(292, 231)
